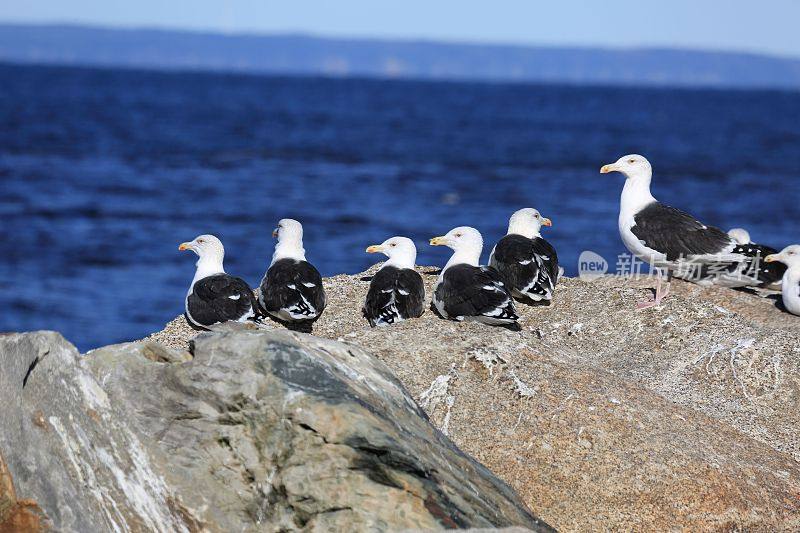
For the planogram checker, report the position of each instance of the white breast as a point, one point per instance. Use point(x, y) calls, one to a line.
point(636, 246)
point(790, 291)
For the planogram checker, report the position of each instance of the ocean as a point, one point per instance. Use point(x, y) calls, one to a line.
point(104, 172)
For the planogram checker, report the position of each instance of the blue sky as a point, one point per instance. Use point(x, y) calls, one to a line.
point(769, 26)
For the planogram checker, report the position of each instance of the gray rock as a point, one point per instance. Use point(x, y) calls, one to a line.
point(70, 449)
point(260, 431)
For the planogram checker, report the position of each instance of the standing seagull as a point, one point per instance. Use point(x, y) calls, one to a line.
point(527, 262)
point(291, 291)
point(396, 292)
point(467, 291)
point(790, 286)
point(214, 296)
point(667, 238)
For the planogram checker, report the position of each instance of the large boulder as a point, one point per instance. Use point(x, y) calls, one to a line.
point(602, 416)
point(267, 431)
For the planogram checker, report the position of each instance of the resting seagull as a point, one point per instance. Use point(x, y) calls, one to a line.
point(214, 296)
point(527, 262)
point(396, 291)
point(667, 238)
point(790, 285)
point(770, 275)
point(291, 291)
point(467, 291)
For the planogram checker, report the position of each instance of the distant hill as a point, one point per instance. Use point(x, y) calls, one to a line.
point(297, 54)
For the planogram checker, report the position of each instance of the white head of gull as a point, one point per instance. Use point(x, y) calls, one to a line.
point(290, 241)
point(789, 256)
point(638, 173)
point(210, 252)
point(527, 222)
point(401, 251)
point(740, 235)
point(466, 243)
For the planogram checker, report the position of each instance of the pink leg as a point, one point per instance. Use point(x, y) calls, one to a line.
point(660, 295)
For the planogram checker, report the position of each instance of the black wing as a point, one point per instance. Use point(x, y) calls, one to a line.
point(755, 266)
point(219, 298)
point(677, 234)
point(529, 266)
point(292, 289)
point(468, 290)
point(394, 294)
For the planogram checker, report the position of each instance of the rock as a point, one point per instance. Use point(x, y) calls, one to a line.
point(681, 417)
point(268, 431)
point(598, 415)
point(68, 448)
point(17, 516)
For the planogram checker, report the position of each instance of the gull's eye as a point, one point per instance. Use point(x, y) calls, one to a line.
point(393, 245)
point(536, 215)
point(200, 241)
point(631, 161)
point(458, 235)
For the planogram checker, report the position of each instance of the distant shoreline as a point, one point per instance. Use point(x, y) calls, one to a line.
point(421, 60)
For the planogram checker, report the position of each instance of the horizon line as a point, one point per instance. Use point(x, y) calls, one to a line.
point(400, 40)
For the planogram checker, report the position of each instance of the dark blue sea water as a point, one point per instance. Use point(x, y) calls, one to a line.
point(104, 172)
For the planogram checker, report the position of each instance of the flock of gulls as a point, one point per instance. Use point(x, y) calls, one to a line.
point(523, 267)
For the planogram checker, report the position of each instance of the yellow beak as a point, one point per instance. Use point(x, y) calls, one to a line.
point(771, 258)
point(374, 249)
point(608, 168)
point(547, 222)
point(439, 241)
point(185, 246)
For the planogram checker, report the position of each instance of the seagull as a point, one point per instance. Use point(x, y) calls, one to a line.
point(790, 284)
point(669, 239)
point(396, 292)
point(214, 296)
point(291, 291)
point(527, 262)
point(769, 275)
point(467, 291)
